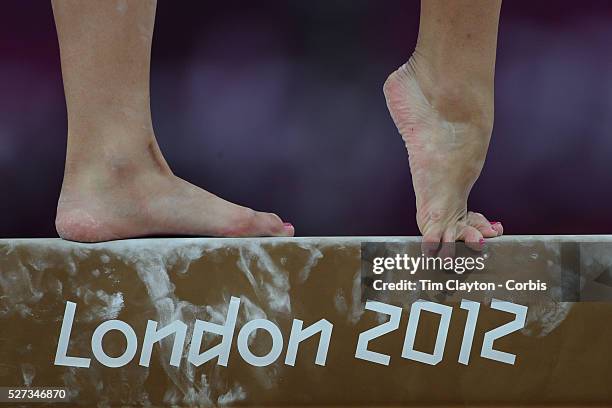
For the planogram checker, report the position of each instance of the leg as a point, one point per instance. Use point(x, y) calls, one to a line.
point(441, 101)
point(116, 181)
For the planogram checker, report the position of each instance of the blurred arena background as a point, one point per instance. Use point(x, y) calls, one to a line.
point(277, 105)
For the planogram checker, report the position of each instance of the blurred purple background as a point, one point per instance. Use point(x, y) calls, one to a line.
point(277, 105)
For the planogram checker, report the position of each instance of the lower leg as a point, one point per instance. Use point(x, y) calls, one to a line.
point(116, 181)
point(442, 104)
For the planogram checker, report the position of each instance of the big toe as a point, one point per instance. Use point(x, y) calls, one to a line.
point(274, 226)
point(262, 224)
point(487, 229)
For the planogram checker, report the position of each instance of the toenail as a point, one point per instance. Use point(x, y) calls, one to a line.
point(481, 241)
point(494, 222)
point(287, 225)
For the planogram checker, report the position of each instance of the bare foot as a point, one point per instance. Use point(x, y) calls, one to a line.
point(446, 131)
point(116, 181)
point(114, 201)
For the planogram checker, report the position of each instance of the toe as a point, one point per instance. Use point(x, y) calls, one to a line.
point(498, 227)
point(270, 224)
point(448, 242)
point(431, 241)
point(249, 223)
point(288, 229)
point(486, 228)
point(472, 237)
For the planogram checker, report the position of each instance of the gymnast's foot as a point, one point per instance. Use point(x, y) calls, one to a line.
point(116, 181)
point(115, 198)
point(446, 129)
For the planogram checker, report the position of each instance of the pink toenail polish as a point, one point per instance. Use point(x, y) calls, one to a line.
point(481, 241)
point(494, 222)
point(287, 225)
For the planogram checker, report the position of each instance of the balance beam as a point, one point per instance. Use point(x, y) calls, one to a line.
point(90, 317)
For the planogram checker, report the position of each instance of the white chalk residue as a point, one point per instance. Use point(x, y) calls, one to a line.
point(340, 302)
point(273, 287)
point(234, 395)
point(357, 308)
point(28, 371)
point(315, 255)
point(151, 268)
point(541, 321)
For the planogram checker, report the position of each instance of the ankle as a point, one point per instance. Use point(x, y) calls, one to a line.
point(457, 96)
point(118, 156)
point(106, 178)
